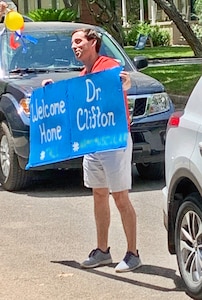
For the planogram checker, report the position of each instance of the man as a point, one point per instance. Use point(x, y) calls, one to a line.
point(107, 172)
point(3, 7)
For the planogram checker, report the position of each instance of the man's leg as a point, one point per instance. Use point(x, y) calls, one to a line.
point(131, 260)
point(101, 255)
point(128, 217)
point(102, 216)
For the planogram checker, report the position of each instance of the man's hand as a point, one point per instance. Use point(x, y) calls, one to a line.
point(3, 7)
point(46, 82)
point(126, 81)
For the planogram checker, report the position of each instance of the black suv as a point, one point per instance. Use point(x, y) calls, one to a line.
point(23, 66)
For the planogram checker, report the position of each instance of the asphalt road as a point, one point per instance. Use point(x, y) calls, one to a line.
point(48, 229)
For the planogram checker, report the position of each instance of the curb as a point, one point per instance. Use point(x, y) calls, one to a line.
point(179, 101)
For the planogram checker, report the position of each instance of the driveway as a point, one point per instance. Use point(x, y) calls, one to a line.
point(47, 230)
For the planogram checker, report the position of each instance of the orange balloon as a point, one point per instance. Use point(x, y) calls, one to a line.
point(14, 21)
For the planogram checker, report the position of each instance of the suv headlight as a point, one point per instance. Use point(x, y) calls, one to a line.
point(145, 105)
point(157, 103)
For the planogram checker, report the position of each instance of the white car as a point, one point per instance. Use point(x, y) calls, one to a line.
point(182, 200)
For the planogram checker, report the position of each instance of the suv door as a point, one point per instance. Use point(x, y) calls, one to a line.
point(196, 158)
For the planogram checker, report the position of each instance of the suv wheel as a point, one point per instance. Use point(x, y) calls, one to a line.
point(150, 170)
point(12, 177)
point(188, 244)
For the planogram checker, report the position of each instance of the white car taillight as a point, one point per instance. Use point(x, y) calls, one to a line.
point(174, 119)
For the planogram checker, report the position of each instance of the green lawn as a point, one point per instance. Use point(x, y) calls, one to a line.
point(161, 52)
point(177, 79)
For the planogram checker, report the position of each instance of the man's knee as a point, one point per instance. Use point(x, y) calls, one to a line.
point(101, 194)
point(121, 199)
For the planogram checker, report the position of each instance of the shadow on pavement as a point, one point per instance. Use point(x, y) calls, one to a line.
point(69, 183)
point(145, 269)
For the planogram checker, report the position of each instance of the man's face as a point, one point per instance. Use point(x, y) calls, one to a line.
point(81, 46)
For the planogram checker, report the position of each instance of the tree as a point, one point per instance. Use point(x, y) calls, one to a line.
point(105, 15)
point(183, 26)
point(73, 4)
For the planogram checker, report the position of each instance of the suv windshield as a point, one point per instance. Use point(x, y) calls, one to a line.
point(51, 51)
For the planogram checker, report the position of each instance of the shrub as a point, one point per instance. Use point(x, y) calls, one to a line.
point(43, 14)
point(197, 29)
point(159, 36)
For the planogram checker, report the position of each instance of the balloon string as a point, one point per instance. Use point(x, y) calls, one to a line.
point(14, 45)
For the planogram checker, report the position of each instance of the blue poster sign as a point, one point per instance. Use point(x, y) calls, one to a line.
point(77, 116)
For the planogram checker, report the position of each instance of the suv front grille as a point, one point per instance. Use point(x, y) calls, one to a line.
point(139, 107)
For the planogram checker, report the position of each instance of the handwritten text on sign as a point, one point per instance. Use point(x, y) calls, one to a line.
point(74, 117)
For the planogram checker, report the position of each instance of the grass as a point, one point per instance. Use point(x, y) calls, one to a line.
point(177, 79)
point(161, 52)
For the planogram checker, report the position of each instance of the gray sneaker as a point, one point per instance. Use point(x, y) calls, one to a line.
point(97, 258)
point(129, 263)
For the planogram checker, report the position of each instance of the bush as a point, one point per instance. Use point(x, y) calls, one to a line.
point(43, 14)
point(131, 35)
point(197, 29)
point(159, 36)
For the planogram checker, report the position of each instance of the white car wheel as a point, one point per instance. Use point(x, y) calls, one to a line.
point(188, 243)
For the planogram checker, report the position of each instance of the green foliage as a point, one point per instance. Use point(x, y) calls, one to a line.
point(131, 35)
point(50, 14)
point(159, 36)
point(177, 79)
point(197, 29)
point(198, 9)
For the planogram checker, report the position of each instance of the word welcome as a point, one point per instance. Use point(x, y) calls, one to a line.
point(45, 110)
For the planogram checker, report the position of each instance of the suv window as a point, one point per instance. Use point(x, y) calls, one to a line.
point(51, 50)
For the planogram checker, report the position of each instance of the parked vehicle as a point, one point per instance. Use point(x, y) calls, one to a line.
point(182, 199)
point(23, 69)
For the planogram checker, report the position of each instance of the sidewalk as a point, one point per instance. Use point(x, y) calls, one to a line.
point(174, 61)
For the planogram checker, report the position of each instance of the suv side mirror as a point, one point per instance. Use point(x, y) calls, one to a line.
point(140, 62)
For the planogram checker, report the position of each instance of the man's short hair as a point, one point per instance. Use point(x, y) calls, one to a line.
point(91, 34)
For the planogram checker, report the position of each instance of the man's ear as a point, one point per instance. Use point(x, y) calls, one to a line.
point(94, 42)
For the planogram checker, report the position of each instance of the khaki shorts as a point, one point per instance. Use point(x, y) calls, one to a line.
point(110, 169)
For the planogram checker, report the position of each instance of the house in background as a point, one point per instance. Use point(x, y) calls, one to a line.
point(152, 12)
point(25, 6)
point(156, 16)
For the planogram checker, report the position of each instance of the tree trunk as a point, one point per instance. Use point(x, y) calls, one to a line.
point(183, 26)
point(73, 4)
point(104, 13)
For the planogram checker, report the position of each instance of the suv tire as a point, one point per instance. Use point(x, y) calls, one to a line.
point(151, 171)
point(12, 177)
point(188, 244)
